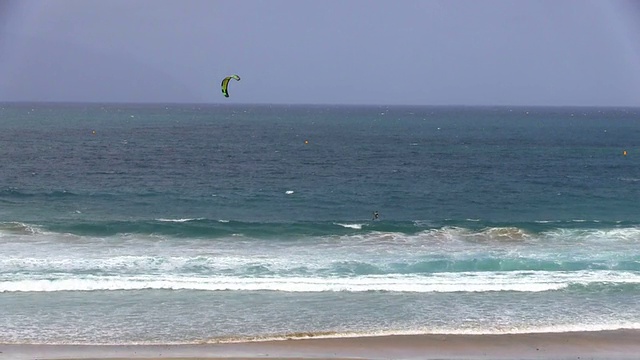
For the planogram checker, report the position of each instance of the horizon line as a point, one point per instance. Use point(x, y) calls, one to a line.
point(158, 103)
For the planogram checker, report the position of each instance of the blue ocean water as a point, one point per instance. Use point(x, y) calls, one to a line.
point(128, 224)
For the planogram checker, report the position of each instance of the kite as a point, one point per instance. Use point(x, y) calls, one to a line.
point(225, 84)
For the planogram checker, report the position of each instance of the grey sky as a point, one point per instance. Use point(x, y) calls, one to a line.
point(547, 52)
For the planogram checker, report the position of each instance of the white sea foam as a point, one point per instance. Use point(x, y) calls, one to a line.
point(179, 220)
point(18, 228)
point(505, 330)
point(552, 237)
point(518, 281)
point(350, 226)
point(596, 236)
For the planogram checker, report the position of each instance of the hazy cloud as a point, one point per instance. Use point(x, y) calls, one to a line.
point(367, 52)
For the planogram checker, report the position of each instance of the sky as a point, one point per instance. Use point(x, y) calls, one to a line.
point(383, 52)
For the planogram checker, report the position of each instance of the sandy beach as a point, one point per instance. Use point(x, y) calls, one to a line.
point(621, 344)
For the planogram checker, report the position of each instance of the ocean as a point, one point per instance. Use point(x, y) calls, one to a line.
point(189, 224)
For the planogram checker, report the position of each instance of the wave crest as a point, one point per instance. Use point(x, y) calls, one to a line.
point(442, 282)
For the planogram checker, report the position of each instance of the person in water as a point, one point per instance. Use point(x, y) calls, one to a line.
point(375, 215)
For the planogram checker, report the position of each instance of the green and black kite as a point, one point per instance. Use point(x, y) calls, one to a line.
point(225, 84)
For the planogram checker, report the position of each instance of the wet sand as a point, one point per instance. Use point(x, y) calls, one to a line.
point(612, 345)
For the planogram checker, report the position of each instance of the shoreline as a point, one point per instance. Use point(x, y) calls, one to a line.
point(610, 345)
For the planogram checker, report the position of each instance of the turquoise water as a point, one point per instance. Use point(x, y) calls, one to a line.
point(124, 224)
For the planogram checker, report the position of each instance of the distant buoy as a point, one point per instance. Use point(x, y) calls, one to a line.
point(306, 141)
point(624, 153)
